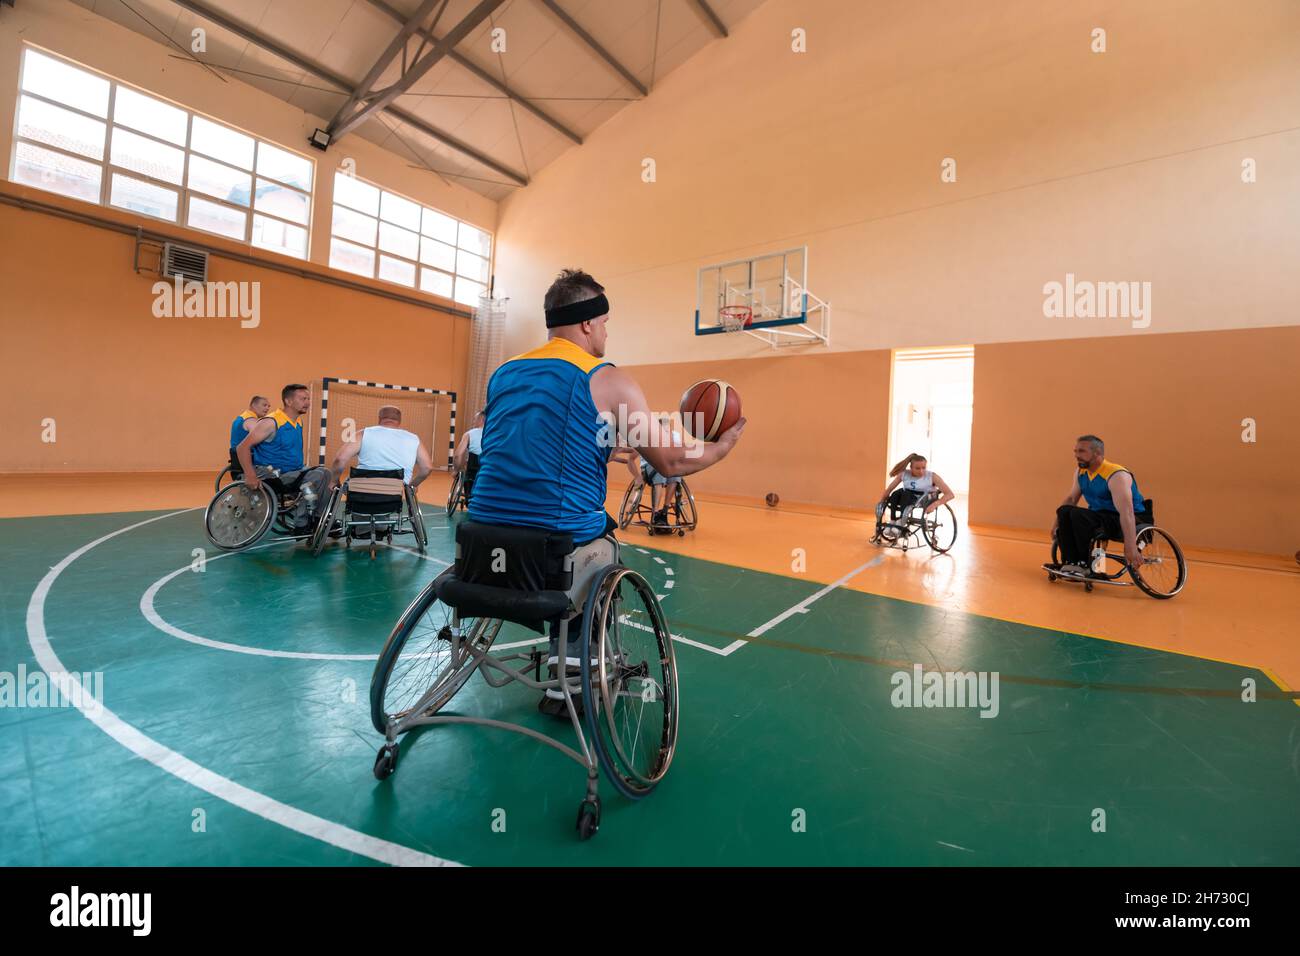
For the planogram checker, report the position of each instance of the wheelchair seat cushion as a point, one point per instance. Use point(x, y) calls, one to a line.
point(515, 558)
point(532, 609)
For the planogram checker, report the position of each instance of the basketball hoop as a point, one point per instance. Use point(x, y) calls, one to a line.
point(735, 318)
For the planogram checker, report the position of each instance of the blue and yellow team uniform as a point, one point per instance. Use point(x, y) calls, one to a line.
point(283, 450)
point(545, 445)
point(1096, 488)
point(237, 432)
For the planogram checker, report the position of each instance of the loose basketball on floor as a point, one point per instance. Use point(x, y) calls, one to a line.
point(709, 408)
point(772, 499)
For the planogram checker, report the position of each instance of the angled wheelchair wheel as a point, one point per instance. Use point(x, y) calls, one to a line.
point(453, 496)
point(417, 519)
point(426, 660)
point(224, 477)
point(684, 504)
point(325, 524)
point(629, 681)
point(238, 516)
point(627, 511)
point(940, 527)
point(1164, 570)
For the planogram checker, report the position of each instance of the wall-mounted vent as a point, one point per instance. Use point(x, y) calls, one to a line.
point(185, 261)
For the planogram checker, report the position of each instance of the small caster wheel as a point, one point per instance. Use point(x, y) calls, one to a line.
point(386, 761)
point(1051, 577)
point(588, 818)
point(1087, 585)
point(681, 533)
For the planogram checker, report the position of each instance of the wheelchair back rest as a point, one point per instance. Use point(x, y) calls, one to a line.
point(520, 559)
point(236, 469)
point(376, 491)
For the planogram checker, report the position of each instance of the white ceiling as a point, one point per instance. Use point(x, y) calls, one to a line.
point(544, 62)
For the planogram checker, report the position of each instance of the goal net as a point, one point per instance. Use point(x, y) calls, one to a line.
point(349, 405)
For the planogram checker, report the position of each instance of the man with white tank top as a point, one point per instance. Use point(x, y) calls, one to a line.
point(387, 447)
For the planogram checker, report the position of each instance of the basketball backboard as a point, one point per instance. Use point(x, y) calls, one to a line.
point(768, 291)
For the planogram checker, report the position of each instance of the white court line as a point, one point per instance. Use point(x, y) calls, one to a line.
point(180, 766)
point(801, 607)
point(623, 618)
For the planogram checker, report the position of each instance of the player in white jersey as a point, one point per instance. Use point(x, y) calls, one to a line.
point(911, 481)
point(387, 447)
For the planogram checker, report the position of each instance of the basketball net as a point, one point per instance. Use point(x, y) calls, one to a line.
point(735, 318)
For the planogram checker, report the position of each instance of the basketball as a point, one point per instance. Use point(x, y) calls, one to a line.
point(772, 499)
point(711, 406)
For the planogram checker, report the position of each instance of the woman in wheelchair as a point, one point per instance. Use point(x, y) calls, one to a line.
point(663, 493)
point(910, 481)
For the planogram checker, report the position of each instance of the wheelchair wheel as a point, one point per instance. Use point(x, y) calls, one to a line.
point(325, 524)
point(426, 660)
point(238, 516)
point(684, 504)
point(453, 496)
point(631, 505)
point(417, 519)
point(629, 681)
point(226, 476)
point(940, 528)
point(1164, 571)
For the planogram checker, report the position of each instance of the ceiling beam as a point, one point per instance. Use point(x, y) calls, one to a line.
point(591, 41)
point(485, 76)
point(418, 69)
point(320, 72)
point(714, 21)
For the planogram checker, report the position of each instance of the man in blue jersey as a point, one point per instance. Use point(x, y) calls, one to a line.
point(547, 437)
point(1115, 506)
point(258, 407)
point(273, 448)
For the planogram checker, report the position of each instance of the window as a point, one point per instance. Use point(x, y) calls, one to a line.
point(383, 235)
point(82, 135)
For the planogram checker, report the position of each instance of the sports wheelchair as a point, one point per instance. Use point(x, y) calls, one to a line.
point(1162, 574)
point(682, 516)
point(462, 483)
point(625, 668)
point(233, 472)
point(377, 503)
point(938, 528)
point(238, 516)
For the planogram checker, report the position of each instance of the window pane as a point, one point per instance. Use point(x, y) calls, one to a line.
point(353, 192)
point(142, 197)
point(223, 143)
point(475, 240)
point(438, 283)
point(219, 180)
point(214, 217)
point(439, 226)
point(467, 292)
point(67, 84)
point(149, 115)
point(283, 165)
point(46, 169)
point(279, 237)
point(353, 225)
point(434, 253)
point(282, 201)
point(475, 267)
point(397, 270)
point(400, 241)
point(143, 155)
point(350, 258)
point(62, 128)
point(401, 211)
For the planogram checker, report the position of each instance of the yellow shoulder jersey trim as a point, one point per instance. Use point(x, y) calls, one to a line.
point(563, 349)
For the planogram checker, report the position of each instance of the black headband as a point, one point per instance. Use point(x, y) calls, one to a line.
point(576, 312)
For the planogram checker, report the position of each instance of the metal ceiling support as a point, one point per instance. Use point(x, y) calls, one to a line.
point(485, 76)
point(714, 21)
point(342, 83)
point(417, 69)
point(588, 39)
point(398, 45)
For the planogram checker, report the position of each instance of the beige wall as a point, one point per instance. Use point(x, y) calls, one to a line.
point(1117, 166)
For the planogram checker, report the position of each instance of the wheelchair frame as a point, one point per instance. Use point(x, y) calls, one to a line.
point(270, 492)
point(592, 599)
point(1148, 531)
point(683, 515)
point(407, 519)
point(904, 536)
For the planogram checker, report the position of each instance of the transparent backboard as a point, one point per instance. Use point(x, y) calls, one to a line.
point(772, 287)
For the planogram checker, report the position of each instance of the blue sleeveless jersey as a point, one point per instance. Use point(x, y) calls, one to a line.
point(237, 432)
point(283, 450)
point(1095, 486)
point(544, 455)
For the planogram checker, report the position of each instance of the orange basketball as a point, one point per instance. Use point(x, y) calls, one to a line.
point(709, 408)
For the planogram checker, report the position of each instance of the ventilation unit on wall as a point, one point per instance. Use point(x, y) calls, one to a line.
point(190, 264)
